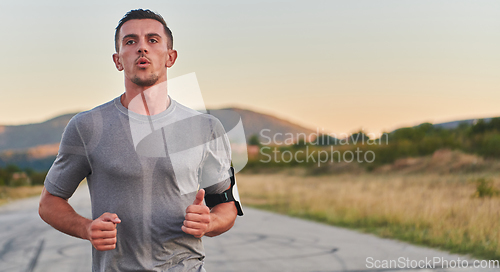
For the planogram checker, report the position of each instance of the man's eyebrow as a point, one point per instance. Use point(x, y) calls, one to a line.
point(153, 35)
point(129, 36)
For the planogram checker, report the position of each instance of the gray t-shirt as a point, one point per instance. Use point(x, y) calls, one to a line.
point(146, 169)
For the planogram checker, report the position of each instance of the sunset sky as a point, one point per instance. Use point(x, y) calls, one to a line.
point(336, 65)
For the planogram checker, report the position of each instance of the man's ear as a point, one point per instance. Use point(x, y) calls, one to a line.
point(116, 60)
point(172, 56)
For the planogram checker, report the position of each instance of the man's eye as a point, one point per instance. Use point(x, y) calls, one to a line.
point(130, 42)
point(153, 41)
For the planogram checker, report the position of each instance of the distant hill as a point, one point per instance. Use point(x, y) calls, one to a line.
point(35, 145)
point(31, 135)
point(255, 122)
point(455, 124)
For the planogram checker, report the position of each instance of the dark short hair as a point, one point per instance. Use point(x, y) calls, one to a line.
point(138, 14)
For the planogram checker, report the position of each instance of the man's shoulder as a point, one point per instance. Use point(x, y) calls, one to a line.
point(88, 114)
point(87, 119)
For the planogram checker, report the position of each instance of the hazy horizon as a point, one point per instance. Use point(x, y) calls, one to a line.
point(280, 117)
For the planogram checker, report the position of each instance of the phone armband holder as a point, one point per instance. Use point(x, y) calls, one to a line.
point(228, 195)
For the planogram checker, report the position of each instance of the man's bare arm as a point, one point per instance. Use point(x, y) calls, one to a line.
point(222, 218)
point(200, 221)
point(58, 213)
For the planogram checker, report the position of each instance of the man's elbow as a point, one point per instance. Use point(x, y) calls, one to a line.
point(42, 205)
point(232, 213)
point(47, 204)
point(42, 213)
point(231, 223)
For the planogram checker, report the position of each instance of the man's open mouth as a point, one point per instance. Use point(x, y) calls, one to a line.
point(142, 62)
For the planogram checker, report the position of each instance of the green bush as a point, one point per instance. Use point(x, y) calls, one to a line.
point(485, 188)
point(37, 178)
point(20, 182)
point(490, 145)
point(254, 140)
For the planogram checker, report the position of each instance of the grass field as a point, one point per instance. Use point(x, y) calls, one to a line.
point(437, 210)
point(431, 201)
point(12, 193)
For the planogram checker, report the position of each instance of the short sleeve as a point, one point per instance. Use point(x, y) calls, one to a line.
point(215, 177)
point(71, 165)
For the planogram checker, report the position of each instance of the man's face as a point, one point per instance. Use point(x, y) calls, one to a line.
point(143, 54)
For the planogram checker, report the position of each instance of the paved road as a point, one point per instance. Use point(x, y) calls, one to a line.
point(259, 241)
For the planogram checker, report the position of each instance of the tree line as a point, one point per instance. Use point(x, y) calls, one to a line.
point(13, 176)
point(481, 137)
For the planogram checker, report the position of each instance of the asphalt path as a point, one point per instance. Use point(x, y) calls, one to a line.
point(259, 241)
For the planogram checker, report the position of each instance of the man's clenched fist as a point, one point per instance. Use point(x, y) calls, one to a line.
point(102, 231)
point(197, 220)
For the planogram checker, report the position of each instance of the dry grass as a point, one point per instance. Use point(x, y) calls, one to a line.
point(8, 194)
point(430, 209)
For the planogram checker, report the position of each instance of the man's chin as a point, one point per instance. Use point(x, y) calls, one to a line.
point(145, 82)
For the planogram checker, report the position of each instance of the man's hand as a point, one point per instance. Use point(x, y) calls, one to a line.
point(197, 220)
point(102, 231)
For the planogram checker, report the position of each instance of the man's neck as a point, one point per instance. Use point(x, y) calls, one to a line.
point(146, 100)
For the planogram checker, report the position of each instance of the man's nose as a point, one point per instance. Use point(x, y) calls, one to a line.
point(142, 47)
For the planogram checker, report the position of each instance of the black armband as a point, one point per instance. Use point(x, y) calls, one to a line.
point(228, 195)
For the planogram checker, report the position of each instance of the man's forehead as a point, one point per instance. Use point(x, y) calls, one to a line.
point(142, 27)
